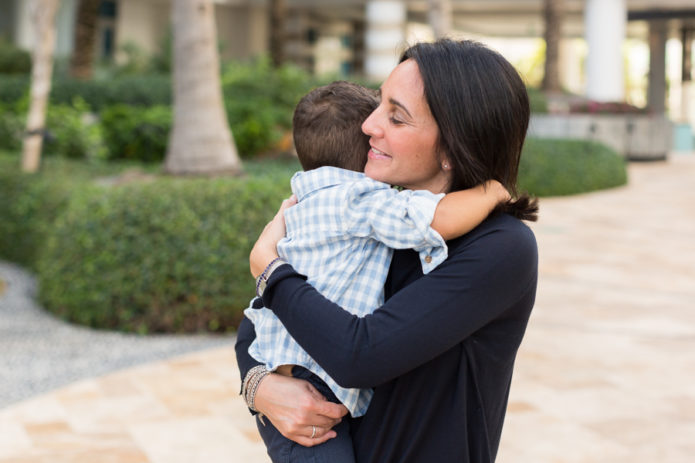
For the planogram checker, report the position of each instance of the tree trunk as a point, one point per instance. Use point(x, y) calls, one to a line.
point(553, 12)
point(200, 141)
point(43, 15)
point(85, 38)
point(440, 17)
point(278, 12)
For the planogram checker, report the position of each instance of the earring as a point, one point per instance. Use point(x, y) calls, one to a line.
point(445, 165)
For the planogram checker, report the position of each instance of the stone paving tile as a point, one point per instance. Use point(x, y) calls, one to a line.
point(182, 410)
point(604, 373)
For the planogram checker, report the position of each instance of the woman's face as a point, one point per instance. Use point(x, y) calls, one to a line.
point(404, 135)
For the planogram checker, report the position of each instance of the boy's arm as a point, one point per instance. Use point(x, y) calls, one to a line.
point(461, 211)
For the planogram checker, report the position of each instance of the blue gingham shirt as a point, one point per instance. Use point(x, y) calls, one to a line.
point(341, 235)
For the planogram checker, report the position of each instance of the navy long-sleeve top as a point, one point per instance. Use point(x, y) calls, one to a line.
point(439, 352)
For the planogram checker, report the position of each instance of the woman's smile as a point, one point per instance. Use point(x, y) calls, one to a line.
point(377, 155)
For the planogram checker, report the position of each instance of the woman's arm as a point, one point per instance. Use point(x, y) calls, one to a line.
point(244, 337)
point(496, 267)
point(292, 405)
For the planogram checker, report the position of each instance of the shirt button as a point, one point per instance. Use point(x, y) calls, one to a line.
point(428, 259)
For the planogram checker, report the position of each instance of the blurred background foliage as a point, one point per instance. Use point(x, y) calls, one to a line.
point(117, 245)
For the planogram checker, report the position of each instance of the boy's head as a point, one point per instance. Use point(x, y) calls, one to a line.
point(327, 126)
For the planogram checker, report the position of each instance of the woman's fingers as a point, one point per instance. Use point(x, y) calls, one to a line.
point(331, 410)
point(320, 435)
point(294, 406)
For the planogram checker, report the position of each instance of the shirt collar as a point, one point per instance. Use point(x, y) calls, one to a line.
point(306, 182)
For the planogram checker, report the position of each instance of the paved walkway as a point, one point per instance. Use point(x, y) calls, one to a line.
point(604, 375)
point(40, 353)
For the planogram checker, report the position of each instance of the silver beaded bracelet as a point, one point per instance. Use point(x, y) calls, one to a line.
point(250, 385)
point(262, 279)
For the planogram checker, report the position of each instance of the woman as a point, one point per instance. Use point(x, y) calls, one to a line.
point(439, 353)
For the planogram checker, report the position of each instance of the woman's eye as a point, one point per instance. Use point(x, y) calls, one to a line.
point(395, 121)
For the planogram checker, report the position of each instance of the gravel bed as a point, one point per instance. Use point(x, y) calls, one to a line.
point(39, 352)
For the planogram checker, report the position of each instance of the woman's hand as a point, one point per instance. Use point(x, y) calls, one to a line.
point(265, 249)
point(295, 407)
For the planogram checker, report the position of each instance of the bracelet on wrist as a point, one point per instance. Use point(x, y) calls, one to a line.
point(250, 385)
point(262, 280)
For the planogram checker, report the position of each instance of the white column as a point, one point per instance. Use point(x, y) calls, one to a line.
point(605, 22)
point(385, 37)
point(23, 32)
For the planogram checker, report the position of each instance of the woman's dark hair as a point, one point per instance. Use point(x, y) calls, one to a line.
point(481, 106)
point(327, 126)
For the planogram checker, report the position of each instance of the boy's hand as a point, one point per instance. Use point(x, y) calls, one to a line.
point(498, 190)
point(461, 211)
point(265, 249)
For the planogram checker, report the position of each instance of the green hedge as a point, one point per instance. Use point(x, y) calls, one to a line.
point(170, 255)
point(564, 167)
point(259, 101)
point(537, 100)
point(70, 129)
point(140, 90)
point(13, 60)
point(13, 87)
point(29, 204)
point(136, 133)
point(12, 126)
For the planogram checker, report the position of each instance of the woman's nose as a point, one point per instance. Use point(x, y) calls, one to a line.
point(369, 126)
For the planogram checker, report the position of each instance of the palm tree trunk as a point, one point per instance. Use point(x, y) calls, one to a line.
point(278, 11)
point(85, 39)
point(200, 141)
point(440, 17)
point(553, 14)
point(43, 15)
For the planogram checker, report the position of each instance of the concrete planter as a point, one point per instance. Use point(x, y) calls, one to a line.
point(634, 136)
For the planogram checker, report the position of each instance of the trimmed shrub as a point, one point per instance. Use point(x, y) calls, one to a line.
point(260, 101)
point(170, 255)
point(31, 202)
point(13, 88)
point(12, 125)
point(136, 133)
point(72, 131)
point(13, 60)
point(551, 167)
point(138, 90)
point(537, 100)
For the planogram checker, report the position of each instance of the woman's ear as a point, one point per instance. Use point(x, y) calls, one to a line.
point(446, 165)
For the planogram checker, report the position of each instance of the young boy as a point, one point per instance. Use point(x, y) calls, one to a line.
point(341, 234)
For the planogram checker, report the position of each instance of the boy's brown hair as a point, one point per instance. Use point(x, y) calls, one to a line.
point(327, 126)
